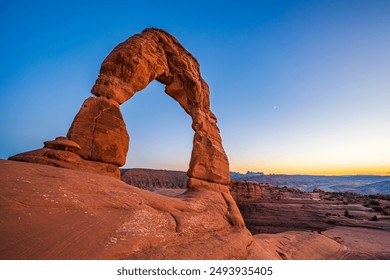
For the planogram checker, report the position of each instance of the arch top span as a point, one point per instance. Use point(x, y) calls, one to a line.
point(151, 55)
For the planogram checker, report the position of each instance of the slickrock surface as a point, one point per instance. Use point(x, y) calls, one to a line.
point(362, 243)
point(56, 213)
point(301, 245)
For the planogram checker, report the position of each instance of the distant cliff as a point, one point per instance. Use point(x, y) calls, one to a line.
point(249, 191)
point(154, 179)
point(166, 179)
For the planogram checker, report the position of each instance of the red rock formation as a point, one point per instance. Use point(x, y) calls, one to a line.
point(100, 131)
point(157, 55)
point(243, 191)
point(63, 152)
point(64, 144)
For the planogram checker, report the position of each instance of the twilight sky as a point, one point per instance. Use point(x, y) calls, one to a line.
point(297, 86)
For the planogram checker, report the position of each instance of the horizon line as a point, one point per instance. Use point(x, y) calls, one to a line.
point(273, 173)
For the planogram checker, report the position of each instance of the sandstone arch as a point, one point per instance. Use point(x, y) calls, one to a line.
point(99, 132)
point(130, 67)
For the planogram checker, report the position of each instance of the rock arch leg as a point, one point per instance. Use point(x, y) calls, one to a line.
point(208, 159)
point(100, 131)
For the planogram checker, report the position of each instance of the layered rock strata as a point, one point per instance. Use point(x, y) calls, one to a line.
point(58, 154)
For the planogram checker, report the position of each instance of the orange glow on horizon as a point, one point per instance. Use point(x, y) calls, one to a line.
point(316, 170)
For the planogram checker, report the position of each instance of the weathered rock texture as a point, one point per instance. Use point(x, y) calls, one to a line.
point(100, 131)
point(63, 152)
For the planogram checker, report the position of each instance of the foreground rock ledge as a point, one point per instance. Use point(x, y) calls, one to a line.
point(56, 213)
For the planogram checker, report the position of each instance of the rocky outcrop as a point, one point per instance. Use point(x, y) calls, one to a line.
point(64, 144)
point(243, 191)
point(63, 152)
point(100, 131)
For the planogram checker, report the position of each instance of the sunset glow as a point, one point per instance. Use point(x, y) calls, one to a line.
point(318, 170)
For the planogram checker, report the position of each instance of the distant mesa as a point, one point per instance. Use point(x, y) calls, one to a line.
point(254, 173)
point(238, 175)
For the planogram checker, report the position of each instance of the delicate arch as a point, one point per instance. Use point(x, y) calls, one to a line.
point(156, 55)
point(98, 141)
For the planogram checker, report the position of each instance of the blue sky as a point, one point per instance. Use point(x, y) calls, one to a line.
point(297, 86)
